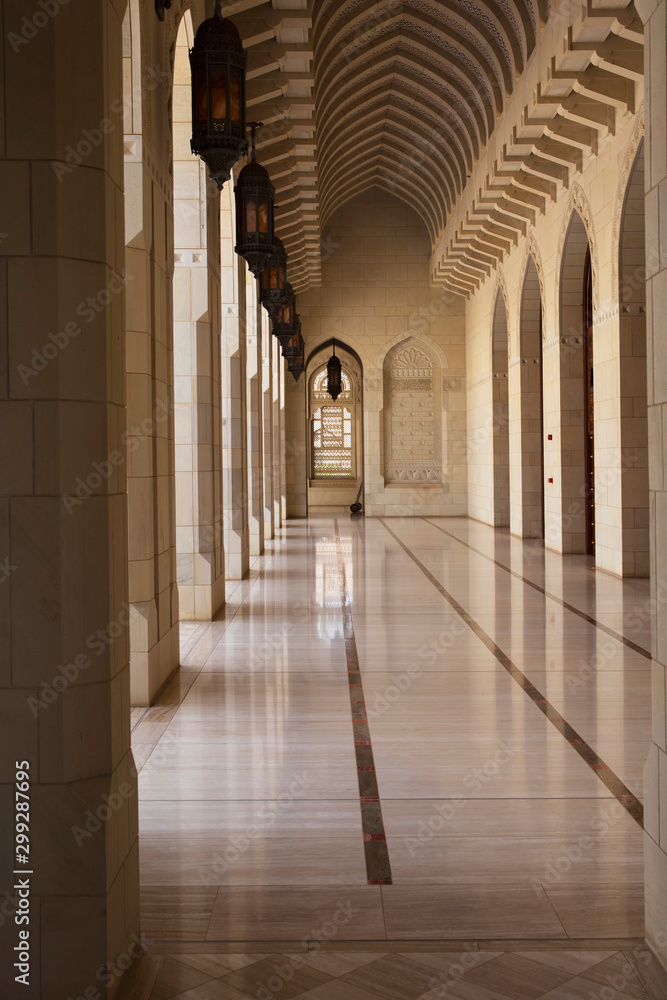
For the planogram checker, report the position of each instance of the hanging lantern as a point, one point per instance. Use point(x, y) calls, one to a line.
point(334, 376)
point(218, 62)
point(284, 321)
point(254, 212)
point(273, 279)
point(296, 362)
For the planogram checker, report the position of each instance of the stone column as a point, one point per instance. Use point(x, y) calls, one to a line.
point(654, 15)
point(64, 615)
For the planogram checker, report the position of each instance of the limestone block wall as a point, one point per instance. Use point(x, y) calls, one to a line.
point(376, 298)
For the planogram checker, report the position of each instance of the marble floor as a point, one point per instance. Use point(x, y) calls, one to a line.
point(400, 731)
point(464, 975)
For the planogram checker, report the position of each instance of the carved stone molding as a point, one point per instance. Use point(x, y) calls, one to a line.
point(619, 202)
point(578, 202)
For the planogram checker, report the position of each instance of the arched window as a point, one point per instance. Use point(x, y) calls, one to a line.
point(333, 447)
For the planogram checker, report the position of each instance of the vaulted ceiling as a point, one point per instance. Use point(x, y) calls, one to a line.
point(404, 95)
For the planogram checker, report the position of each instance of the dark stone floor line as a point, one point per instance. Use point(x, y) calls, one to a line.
point(376, 851)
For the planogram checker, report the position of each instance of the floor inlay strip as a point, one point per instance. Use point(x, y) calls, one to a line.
point(552, 597)
point(616, 786)
point(376, 852)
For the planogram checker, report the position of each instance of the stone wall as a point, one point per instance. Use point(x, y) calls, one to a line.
point(376, 298)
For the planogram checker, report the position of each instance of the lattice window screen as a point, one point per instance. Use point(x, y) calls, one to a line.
point(332, 443)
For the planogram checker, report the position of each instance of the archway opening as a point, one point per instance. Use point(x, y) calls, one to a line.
point(335, 437)
point(531, 499)
point(589, 408)
point(577, 500)
point(501, 438)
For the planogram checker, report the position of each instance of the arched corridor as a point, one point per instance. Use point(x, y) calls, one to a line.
point(332, 500)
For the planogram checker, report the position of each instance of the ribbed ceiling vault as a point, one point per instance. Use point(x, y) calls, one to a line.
point(407, 94)
point(403, 95)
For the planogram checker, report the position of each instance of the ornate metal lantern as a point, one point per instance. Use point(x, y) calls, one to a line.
point(273, 279)
point(296, 362)
point(334, 376)
point(285, 319)
point(254, 212)
point(218, 62)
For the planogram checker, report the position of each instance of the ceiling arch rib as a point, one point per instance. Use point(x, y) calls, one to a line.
point(397, 73)
point(381, 171)
point(369, 149)
point(445, 54)
point(419, 145)
point(468, 25)
point(403, 95)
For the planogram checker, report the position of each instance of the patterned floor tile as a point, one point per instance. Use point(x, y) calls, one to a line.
point(279, 975)
point(516, 978)
point(394, 977)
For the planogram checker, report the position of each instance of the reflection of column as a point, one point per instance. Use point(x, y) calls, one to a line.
point(254, 401)
point(295, 445)
point(282, 448)
point(655, 773)
point(64, 669)
point(267, 417)
point(234, 422)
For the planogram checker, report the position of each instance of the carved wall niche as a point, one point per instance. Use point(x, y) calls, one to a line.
point(412, 416)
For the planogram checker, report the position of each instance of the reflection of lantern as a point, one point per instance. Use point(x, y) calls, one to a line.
point(273, 279)
point(334, 375)
point(218, 62)
point(254, 213)
point(160, 7)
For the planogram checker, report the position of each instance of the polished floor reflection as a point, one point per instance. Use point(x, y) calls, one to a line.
point(408, 730)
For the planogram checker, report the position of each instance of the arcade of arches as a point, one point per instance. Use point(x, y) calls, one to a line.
point(473, 196)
